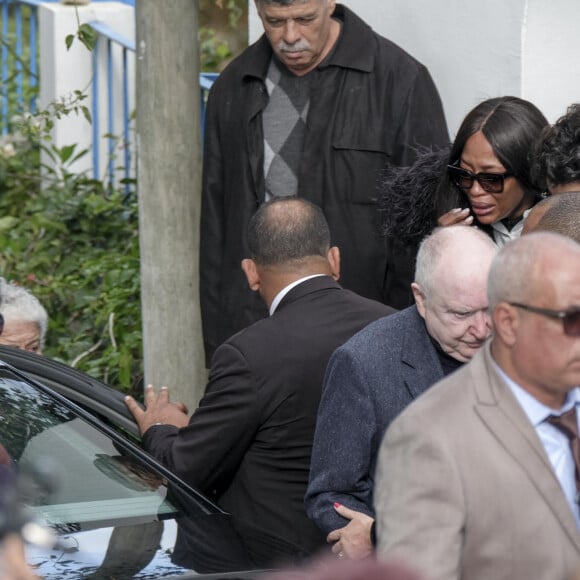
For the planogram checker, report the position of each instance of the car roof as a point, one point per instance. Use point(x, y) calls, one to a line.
point(77, 386)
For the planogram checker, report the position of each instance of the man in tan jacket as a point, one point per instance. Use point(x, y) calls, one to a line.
point(475, 481)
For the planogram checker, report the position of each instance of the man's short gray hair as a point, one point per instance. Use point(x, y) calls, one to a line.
point(18, 304)
point(513, 275)
point(436, 244)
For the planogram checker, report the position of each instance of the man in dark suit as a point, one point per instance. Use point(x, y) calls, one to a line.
point(248, 444)
point(477, 479)
point(378, 372)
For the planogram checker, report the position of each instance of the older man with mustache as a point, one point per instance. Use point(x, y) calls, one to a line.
point(316, 108)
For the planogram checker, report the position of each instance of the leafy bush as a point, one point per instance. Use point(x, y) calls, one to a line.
point(222, 32)
point(74, 243)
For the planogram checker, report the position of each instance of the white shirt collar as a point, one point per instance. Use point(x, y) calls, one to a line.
point(502, 235)
point(287, 289)
point(535, 411)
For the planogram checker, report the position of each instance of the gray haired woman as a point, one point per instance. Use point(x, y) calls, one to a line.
point(25, 319)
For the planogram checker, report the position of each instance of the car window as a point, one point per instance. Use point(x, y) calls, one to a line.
point(112, 515)
point(92, 479)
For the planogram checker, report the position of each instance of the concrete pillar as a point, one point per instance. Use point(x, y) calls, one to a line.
point(169, 176)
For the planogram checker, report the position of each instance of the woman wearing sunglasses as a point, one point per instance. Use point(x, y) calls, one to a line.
point(488, 180)
point(484, 178)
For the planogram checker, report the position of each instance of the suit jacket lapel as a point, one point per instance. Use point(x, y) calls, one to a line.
point(504, 417)
point(420, 366)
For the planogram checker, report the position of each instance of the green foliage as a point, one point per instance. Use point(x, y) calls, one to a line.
point(212, 50)
point(220, 25)
point(86, 34)
point(235, 10)
point(39, 125)
point(74, 243)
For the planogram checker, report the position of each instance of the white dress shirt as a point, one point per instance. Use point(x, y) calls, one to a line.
point(556, 443)
point(501, 235)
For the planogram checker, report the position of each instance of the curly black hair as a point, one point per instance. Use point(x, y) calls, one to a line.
point(556, 159)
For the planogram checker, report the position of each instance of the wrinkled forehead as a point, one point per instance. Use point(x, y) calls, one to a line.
point(459, 299)
point(20, 330)
point(462, 268)
point(556, 282)
point(461, 287)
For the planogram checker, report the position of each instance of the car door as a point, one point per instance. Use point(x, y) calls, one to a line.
point(111, 510)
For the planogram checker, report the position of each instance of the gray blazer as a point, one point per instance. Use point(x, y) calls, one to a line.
point(465, 490)
point(368, 382)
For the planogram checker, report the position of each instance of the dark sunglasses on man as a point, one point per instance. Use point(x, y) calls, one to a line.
point(490, 182)
point(570, 318)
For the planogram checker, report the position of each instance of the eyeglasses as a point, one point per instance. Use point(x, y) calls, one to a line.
point(1, 323)
point(490, 182)
point(570, 318)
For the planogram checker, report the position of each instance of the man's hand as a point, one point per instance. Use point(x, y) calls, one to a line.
point(158, 410)
point(354, 540)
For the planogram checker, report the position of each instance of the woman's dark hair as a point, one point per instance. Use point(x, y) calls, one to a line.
point(413, 198)
point(512, 127)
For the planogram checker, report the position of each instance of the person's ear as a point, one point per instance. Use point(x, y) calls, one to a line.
point(334, 261)
point(252, 275)
point(420, 299)
point(506, 320)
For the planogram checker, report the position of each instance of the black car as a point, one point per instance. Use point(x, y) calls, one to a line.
point(113, 511)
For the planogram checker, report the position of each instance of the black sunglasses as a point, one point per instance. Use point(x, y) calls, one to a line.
point(1, 323)
point(490, 182)
point(570, 318)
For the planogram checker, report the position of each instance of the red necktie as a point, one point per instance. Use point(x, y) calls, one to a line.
point(568, 424)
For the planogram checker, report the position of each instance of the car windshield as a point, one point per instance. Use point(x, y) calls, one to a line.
point(111, 514)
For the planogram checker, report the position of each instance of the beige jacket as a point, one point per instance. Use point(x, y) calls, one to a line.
point(464, 489)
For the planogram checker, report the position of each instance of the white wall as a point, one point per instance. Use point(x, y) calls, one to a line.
point(64, 71)
point(551, 68)
point(476, 49)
